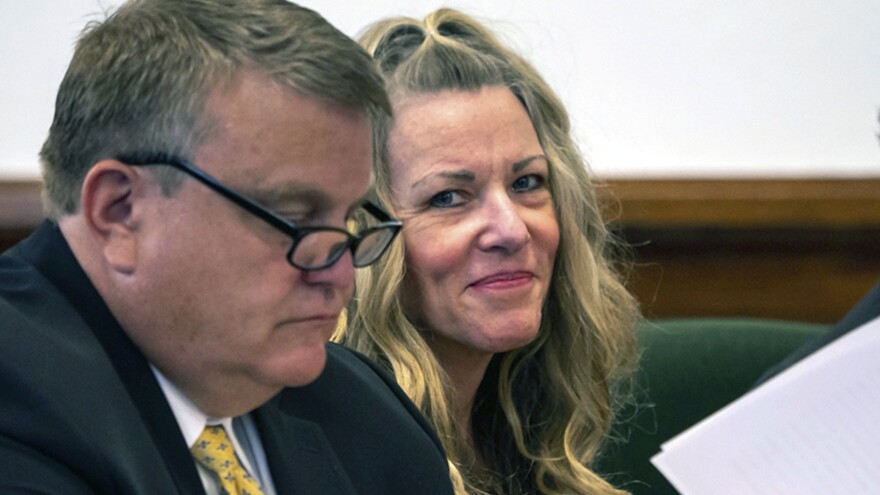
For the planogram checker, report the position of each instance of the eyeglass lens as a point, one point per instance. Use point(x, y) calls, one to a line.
point(323, 248)
point(319, 249)
point(372, 245)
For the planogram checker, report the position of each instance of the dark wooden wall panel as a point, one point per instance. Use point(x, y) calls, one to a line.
point(785, 274)
point(20, 210)
point(792, 249)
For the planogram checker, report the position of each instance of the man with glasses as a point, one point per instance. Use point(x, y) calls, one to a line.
point(165, 331)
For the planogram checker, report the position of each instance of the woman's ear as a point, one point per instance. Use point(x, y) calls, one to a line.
point(109, 193)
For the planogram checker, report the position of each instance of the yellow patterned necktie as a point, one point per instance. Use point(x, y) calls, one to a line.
point(214, 450)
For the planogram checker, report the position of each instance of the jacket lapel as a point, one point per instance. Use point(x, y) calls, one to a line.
point(300, 457)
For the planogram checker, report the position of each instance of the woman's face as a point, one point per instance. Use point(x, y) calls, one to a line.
point(469, 180)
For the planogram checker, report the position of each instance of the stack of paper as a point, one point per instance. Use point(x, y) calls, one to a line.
point(813, 429)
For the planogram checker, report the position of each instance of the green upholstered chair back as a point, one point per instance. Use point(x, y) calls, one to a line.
point(689, 369)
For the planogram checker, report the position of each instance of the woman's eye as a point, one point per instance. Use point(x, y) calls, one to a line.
point(446, 199)
point(528, 183)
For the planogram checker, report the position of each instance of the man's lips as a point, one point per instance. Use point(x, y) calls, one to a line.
point(329, 317)
point(504, 279)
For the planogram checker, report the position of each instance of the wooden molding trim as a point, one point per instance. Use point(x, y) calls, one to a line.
point(745, 203)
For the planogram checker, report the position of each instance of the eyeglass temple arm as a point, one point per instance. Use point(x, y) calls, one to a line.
point(158, 159)
point(378, 212)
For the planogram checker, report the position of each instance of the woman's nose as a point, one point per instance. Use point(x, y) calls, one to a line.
point(504, 226)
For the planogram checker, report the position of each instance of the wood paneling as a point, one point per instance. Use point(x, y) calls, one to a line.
point(806, 275)
point(20, 210)
point(792, 249)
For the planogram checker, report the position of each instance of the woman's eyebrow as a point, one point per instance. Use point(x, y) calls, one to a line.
point(468, 176)
point(521, 164)
point(456, 175)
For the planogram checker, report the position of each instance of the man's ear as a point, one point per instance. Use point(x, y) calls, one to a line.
point(109, 193)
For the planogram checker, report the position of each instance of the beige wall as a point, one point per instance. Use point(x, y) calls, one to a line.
point(655, 88)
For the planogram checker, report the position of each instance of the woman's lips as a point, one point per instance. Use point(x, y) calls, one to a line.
point(504, 280)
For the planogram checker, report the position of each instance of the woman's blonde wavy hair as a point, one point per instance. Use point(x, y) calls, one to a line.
point(543, 410)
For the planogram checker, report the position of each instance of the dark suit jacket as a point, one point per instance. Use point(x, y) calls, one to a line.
point(81, 412)
point(867, 309)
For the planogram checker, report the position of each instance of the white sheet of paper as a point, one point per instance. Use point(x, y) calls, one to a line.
point(813, 429)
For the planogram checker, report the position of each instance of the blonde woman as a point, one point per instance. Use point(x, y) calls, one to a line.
point(500, 314)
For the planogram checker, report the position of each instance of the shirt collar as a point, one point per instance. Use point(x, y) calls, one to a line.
point(190, 418)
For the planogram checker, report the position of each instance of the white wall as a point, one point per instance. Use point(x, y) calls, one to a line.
point(656, 88)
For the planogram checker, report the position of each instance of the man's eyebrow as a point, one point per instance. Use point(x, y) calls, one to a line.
point(290, 193)
point(455, 175)
point(316, 199)
point(517, 166)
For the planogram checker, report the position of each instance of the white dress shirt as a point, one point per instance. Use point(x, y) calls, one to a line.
point(241, 431)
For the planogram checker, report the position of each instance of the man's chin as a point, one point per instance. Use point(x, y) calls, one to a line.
point(301, 368)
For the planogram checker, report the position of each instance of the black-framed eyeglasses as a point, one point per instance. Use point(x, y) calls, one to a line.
point(312, 247)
